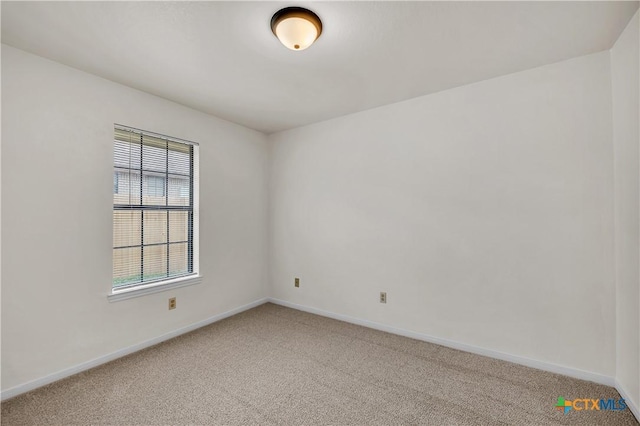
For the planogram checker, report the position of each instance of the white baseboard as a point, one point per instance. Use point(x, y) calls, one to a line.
point(627, 399)
point(540, 365)
point(26, 387)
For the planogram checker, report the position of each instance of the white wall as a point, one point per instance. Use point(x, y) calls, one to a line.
point(625, 78)
point(57, 132)
point(485, 212)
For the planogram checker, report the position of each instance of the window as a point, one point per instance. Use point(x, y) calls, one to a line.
point(155, 186)
point(115, 182)
point(154, 208)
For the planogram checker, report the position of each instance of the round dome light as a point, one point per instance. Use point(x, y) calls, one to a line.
point(297, 28)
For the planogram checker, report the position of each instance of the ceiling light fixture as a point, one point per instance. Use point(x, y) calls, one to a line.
point(297, 28)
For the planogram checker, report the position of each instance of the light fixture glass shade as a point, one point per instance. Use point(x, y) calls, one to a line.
point(296, 33)
point(296, 28)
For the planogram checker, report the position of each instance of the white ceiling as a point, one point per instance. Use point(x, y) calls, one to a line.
point(221, 57)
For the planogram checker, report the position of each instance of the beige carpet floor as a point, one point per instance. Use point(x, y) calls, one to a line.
point(274, 365)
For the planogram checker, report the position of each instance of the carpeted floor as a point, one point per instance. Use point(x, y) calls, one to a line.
point(274, 365)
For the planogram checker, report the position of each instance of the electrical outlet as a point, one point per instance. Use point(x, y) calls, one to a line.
point(296, 282)
point(172, 303)
point(383, 297)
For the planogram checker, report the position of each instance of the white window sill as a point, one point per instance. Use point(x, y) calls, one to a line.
point(143, 290)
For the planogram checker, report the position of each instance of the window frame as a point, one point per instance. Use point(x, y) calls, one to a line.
point(192, 276)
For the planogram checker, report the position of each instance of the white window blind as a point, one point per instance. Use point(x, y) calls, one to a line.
point(154, 219)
